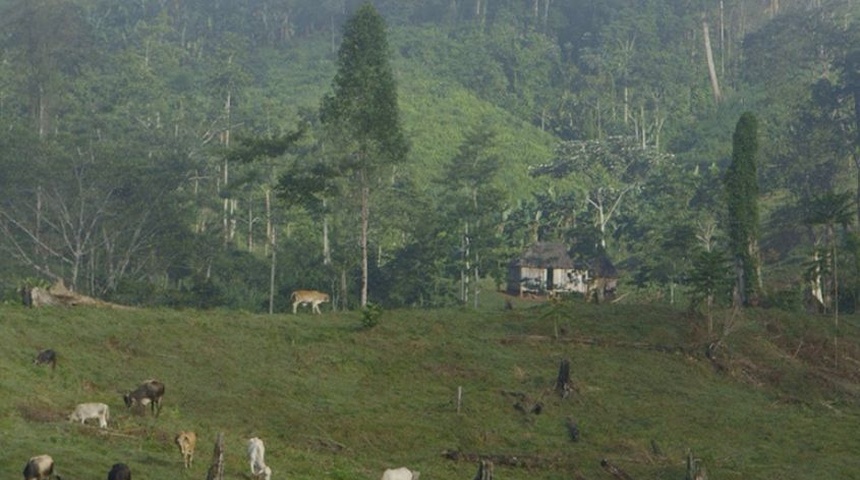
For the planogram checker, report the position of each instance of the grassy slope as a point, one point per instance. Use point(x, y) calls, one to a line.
point(334, 401)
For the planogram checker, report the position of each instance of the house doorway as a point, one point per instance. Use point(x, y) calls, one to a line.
point(550, 274)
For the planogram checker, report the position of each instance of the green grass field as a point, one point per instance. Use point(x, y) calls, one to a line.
point(334, 400)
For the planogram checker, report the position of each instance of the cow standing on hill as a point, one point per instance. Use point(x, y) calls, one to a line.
point(187, 441)
point(40, 467)
point(149, 393)
point(401, 473)
point(86, 411)
point(312, 297)
point(119, 471)
point(256, 455)
point(46, 357)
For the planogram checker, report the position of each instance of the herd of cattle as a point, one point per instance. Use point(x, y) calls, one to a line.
point(151, 392)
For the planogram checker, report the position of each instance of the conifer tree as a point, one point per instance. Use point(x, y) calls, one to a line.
point(361, 115)
point(742, 201)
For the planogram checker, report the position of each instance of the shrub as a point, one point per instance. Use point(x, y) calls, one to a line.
point(370, 315)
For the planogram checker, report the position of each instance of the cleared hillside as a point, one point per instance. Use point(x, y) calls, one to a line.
point(334, 400)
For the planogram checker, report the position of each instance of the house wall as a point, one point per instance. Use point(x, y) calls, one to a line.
point(522, 280)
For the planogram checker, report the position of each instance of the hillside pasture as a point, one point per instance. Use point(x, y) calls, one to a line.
point(334, 400)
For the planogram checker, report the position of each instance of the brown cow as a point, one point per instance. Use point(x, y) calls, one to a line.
point(186, 441)
point(149, 393)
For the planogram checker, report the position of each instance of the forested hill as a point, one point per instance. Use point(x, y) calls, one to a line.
point(119, 119)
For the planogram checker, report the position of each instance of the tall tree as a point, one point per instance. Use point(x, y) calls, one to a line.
point(474, 201)
point(611, 170)
point(742, 201)
point(361, 115)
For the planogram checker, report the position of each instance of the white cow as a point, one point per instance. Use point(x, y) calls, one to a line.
point(256, 455)
point(86, 411)
point(401, 473)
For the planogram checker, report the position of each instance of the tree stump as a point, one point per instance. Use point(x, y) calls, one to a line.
point(216, 469)
point(562, 384)
point(485, 470)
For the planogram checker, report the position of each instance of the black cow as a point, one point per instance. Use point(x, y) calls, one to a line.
point(119, 471)
point(149, 393)
point(46, 357)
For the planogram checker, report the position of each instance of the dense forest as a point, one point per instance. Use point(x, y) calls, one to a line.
point(183, 152)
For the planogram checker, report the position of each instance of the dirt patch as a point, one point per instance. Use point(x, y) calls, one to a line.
point(40, 413)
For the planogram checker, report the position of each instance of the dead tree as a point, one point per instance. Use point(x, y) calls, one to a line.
point(485, 470)
point(562, 384)
point(216, 469)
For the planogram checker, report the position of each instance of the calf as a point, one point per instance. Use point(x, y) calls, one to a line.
point(149, 393)
point(40, 467)
point(186, 441)
point(86, 411)
point(312, 297)
point(401, 473)
point(256, 454)
point(46, 357)
point(119, 471)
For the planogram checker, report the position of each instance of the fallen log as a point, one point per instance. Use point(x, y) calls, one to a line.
point(519, 461)
point(615, 471)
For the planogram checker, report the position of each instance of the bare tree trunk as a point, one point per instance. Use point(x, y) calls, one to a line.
point(344, 298)
point(326, 243)
point(272, 275)
point(250, 227)
point(712, 71)
point(365, 214)
point(722, 39)
point(225, 139)
point(269, 228)
point(477, 276)
point(545, 13)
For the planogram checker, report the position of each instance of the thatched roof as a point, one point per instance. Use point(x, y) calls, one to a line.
point(545, 255)
point(554, 255)
point(601, 266)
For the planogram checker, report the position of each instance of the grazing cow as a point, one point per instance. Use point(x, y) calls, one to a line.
point(149, 393)
point(40, 467)
point(186, 441)
point(304, 297)
point(46, 357)
point(86, 411)
point(119, 471)
point(401, 473)
point(256, 455)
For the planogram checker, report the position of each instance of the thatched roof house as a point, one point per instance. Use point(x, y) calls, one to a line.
point(546, 267)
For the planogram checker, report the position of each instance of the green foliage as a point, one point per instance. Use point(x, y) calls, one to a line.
point(371, 314)
point(363, 107)
point(710, 278)
point(147, 94)
point(742, 194)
